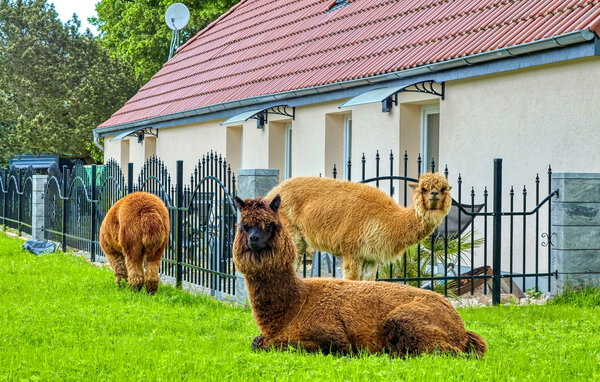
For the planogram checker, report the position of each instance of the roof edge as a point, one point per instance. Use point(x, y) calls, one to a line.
point(567, 39)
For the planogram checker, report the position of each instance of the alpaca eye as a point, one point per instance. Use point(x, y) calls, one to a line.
point(270, 227)
point(245, 227)
point(443, 189)
point(424, 189)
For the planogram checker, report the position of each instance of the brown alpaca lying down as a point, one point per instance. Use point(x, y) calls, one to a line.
point(136, 231)
point(358, 222)
point(337, 316)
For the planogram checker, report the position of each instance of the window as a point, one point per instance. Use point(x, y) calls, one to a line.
point(288, 151)
point(430, 137)
point(235, 147)
point(347, 145)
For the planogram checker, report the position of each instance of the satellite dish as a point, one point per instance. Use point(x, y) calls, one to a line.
point(176, 17)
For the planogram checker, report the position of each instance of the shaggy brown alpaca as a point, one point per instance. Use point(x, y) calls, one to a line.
point(332, 315)
point(135, 233)
point(358, 222)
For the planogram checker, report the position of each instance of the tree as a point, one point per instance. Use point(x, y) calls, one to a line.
point(135, 30)
point(56, 84)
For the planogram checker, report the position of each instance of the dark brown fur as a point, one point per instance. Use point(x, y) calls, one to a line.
point(339, 315)
point(135, 233)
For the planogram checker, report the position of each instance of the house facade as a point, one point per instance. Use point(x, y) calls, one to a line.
point(303, 85)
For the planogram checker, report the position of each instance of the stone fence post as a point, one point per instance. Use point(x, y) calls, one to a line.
point(37, 206)
point(252, 183)
point(576, 223)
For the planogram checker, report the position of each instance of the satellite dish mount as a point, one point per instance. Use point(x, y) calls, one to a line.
point(176, 17)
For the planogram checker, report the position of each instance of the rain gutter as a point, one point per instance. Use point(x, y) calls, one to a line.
point(563, 40)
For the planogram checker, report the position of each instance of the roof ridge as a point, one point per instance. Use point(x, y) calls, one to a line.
point(357, 42)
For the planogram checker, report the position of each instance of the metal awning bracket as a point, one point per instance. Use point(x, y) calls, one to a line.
point(139, 133)
point(262, 115)
point(419, 87)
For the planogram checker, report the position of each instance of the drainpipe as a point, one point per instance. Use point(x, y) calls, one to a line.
point(97, 141)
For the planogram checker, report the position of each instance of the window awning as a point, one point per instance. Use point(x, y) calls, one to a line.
point(243, 116)
point(261, 115)
point(389, 94)
point(123, 135)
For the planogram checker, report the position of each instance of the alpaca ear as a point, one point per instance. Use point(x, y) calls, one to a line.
point(275, 203)
point(239, 203)
point(414, 186)
point(449, 188)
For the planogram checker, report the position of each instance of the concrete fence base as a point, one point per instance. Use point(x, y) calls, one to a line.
point(576, 231)
point(252, 183)
point(37, 206)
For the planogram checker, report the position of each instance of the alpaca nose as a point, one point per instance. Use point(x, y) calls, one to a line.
point(434, 195)
point(253, 238)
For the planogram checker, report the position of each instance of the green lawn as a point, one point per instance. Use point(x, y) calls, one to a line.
point(63, 319)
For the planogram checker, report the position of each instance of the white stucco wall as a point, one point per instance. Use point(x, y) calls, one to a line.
point(531, 119)
point(189, 143)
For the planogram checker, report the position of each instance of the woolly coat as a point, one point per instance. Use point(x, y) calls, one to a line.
point(357, 222)
point(136, 230)
point(339, 315)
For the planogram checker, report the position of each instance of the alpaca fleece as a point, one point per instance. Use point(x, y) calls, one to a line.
point(135, 233)
point(338, 316)
point(358, 222)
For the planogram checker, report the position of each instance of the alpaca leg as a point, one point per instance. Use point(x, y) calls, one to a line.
point(411, 330)
point(135, 268)
point(301, 247)
point(352, 268)
point(263, 343)
point(368, 271)
point(328, 347)
point(151, 277)
point(117, 263)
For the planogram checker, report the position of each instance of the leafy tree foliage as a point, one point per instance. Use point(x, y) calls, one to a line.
point(135, 30)
point(56, 84)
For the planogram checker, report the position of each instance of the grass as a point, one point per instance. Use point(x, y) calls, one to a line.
point(63, 319)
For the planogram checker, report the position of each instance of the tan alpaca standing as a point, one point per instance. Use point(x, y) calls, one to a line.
point(358, 222)
point(134, 233)
point(339, 316)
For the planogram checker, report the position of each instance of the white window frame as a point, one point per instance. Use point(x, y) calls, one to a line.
point(287, 170)
point(347, 152)
point(425, 112)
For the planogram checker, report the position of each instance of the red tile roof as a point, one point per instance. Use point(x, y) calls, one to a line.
point(263, 47)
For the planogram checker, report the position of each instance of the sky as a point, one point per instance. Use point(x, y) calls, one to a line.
point(83, 8)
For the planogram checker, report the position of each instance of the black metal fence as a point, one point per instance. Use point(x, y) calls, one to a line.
point(202, 213)
point(458, 259)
